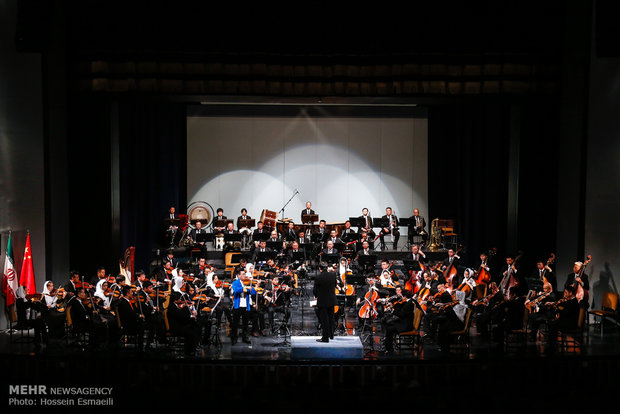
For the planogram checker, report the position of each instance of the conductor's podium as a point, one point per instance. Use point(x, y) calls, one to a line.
point(341, 347)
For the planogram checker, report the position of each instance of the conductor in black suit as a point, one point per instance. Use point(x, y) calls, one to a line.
point(325, 293)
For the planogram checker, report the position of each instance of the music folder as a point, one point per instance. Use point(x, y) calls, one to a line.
point(366, 261)
point(411, 264)
point(380, 222)
point(357, 222)
point(330, 258)
point(172, 221)
point(232, 237)
point(262, 236)
point(274, 245)
point(409, 222)
point(249, 223)
point(299, 256)
point(221, 223)
point(264, 256)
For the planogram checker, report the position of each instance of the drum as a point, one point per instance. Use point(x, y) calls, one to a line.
point(200, 211)
point(269, 218)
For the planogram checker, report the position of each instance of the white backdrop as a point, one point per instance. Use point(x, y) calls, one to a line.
point(340, 164)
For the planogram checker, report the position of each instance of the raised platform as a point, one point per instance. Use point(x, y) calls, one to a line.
point(341, 347)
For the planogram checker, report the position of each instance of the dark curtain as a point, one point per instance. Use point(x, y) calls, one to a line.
point(152, 147)
point(468, 172)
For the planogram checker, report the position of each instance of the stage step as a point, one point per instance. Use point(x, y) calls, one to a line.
point(341, 347)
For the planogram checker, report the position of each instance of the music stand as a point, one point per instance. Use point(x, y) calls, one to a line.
point(410, 264)
point(262, 236)
point(357, 222)
point(309, 218)
point(349, 237)
point(204, 237)
point(276, 246)
point(339, 246)
point(409, 222)
point(367, 262)
point(318, 237)
point(380, 222)
point(172, 222)
point(221, 223)
point(264, 256)
point(330, 258)
point(249, 223)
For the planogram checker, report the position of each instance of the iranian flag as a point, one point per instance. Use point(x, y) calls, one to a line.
point(9, 278)
point(26, 278)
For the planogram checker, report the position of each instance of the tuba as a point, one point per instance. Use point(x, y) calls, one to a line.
point(435, 236)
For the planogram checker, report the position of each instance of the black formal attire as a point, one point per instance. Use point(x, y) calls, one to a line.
point(324, 290)
point(290, 235)
point(278, 302)
point(182, 324)
point(203, 247)
point(484, 315)
point(242, 218)
point(131, 322)
point(260, 250)
point(367, 224)
point(570, 281)
point(400, 320)
point(214, 224)
point(320, 235)
point(392, 228)
point(417, 228)
point(568, 314)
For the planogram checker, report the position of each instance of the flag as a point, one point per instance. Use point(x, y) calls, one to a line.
point(26, 278)
point(9, 278)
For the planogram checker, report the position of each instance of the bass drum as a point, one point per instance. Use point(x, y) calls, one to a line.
point(200, 211)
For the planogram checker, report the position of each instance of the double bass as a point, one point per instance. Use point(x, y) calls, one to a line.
point(451, 271)
point(581, 293)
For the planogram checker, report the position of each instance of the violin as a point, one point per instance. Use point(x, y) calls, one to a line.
point(219, 284)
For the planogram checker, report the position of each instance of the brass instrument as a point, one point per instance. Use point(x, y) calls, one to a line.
point(436, 237)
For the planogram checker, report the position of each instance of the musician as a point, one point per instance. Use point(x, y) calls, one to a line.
point(302, 239)
point(165, 273)
point(242, 306)
point(371, 284)
point(200, 270)
point(484, 263)
point(347, 232)
point(386, 269)
point(262, 248)
point(544, 272)
point(194, 236)
point(218, 229)
point(132, 320)
point(99, 277)
point(324, 291)
point(277, 298)
point(330, 249)
point(416, 228)
point(321, 234)
point(417, 255)
point(433, 314)
point(219, 292)
point(510, 276)
point(392, 228)
point(84, 318)
point(333, 236)
point(575, 280)
point(364, 251)
point(467, 283)
point(511, 313)
point(182, 322)
point(54, 318)
point(566, 315)
point(292, 252)
point(243, 216)
point(171, 229)
point(259, 233)
point(451, 318)
point(366, 224)
point(400, 320)
point(540, 305)
point(230, 245)
point(290, 234)
point(74, 281)
point(306, 212)
point(170, 257)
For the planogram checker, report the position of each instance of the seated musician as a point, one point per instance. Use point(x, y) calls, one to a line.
point(364, 251)
point(435, 303)
point(540, 312)
point(230, 245)
point(346, 232)
point(277, 298)
point(467, 284)
point(451, 318)
point(511, 313)
point(130, 315)
point(334, 237)
point(366, 224)
point(416, 228)
point(74, 281)
point(392, 228)
point(321, 234)
point(307, 211)
point(417, 255)
point(388, 278)
point(199, 305)
point(170, 228)
point(400, 320)
point(170, 257)
point(371, 284)
point(302, 238)
point(487, 310)
point(330, 249)
point(52, 316)
point(566, 315)
point(194, 236)
point(182, 322)
point(259, 234)
point(218, 229)
point(262, 248)
point(290, 234)
point(294, 251)
point(84, 318)
point(201, 269)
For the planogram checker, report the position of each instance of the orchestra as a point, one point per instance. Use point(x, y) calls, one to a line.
point(200, 301)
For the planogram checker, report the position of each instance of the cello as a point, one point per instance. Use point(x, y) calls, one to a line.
point(368, 309)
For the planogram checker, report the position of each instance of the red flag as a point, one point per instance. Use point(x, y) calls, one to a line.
point(26, 278)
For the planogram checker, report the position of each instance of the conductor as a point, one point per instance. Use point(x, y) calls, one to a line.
point(325, 293)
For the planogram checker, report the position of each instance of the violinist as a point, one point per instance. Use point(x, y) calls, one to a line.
point(435, 306)
point(131, 315)
point(53, 317)
point(486, 310)
point(218, 293)
point(199, 306)
point(183, 323)
point(242, 306)
point(82, 313)
point(400, 320)
point(566, 314)
point(510, 314)
point(99, 277)
point(540, 313)
point(73, 284)
point(452, 318)
point(277, 301)
point(178, 280)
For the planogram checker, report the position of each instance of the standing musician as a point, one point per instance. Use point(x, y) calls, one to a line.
point(416, 228)
point(183, 323)
point(392, 228)
point(242, 306)
point(544, 273)
point(451, 262)
point(366, 224)
point(172, 230)
point(510, 275)
point(399, 320)
point(324, 291)
point(307, 211)
point(578, 279)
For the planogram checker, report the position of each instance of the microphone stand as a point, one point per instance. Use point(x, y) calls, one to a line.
point(289, 200)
